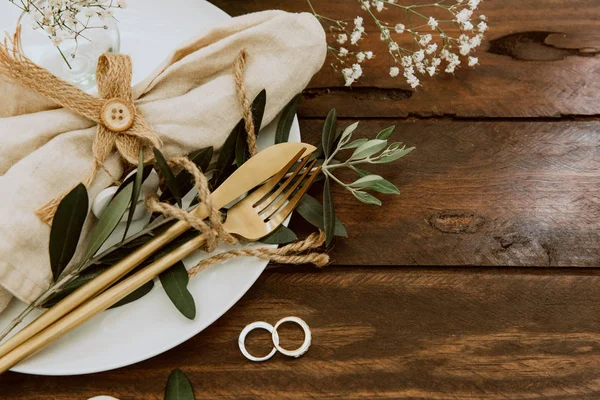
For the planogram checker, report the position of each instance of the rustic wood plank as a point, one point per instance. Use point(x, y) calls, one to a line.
point(539, 60)
point(381, 333)
point(479, 193)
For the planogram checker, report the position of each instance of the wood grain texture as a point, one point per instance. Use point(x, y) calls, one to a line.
point(381, 333)
point(479, 193)
point(540, 59)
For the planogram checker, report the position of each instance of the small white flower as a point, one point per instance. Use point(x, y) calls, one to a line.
point(358, 22)
point(399, 28)
point(349, 81)
point(418, 56)
point(482, 27)
point(122, 3)
point(355, 37)
point(369, 54)
point(465, 49)
point(89, 13)
point(431, 48)
point(464, 15)
point(393, 46)
point(360, 57)
point(473, 4)
point(378, 5)
point(482, 17)
point(394, 72)
point(431, 70)
point(473, 61)
point(467, 26)
point(407, 61)
point(435, 62)
point(432, 23)
point(385, 34)
point(56, 40)
point(420, 67)
point(450, 68)
point(425, 39)
point(475, 41)
point(356, 71)
point(342, 38)
point(343, 52)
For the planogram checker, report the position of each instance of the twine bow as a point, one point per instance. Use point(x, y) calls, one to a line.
point(113, 76)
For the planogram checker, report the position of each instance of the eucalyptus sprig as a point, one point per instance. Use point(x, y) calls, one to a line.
point(366, 151)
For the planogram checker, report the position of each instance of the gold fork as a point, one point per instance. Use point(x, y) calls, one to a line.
point(252, 218)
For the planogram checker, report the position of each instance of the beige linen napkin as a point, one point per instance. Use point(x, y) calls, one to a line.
point(190, 101)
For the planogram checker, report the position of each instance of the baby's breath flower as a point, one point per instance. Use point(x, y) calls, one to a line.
point(431, 48)
point(428, 55)
point(432, 23)
point(473, 4)
point(464, 15)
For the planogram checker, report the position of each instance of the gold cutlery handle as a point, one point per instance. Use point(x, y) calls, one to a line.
point(98, 284)
point(98, 304)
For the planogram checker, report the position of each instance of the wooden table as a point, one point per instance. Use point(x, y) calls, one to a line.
point(479, 281)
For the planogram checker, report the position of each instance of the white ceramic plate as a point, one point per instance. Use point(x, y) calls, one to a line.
point(150, 30)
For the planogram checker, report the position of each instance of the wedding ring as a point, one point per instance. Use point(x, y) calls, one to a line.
point(248, 329)
point(307, 337)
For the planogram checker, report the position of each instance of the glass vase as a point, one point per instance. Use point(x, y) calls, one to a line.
point(73, 60)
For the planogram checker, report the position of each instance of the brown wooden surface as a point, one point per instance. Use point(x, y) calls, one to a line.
point(435, 296)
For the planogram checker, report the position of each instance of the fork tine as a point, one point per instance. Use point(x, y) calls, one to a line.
point(266, 201)
point(278, 203)
point(280, 216)
point(266, 188)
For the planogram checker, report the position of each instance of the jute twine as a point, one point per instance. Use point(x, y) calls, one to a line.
point(113, 76)
point(295, 253)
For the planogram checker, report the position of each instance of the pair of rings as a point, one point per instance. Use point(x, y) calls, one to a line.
point(275, 336)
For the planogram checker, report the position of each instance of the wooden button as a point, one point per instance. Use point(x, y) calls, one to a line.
point(117, 115)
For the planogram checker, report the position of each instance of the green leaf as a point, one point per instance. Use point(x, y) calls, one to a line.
point(281, 235)
point(286, 120)
point(356, 143)
point(366, 181)
point(66, 228)
point(347, 133)
point(386, 133)
point(328, 212)
point(311, 210)
point(394, 156)
point(135, 295)
point(242, 152)
point(329, 132)
point(109, 220)
point(175, 281)
point(381, 186)
point(226, 155)
point(368, 149)
point(366, 197)
point(179, 387)
point(135, 193)
point(167, 173)
point(184, 179)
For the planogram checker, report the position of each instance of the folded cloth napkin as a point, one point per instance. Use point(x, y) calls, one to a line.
point(190, 101)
